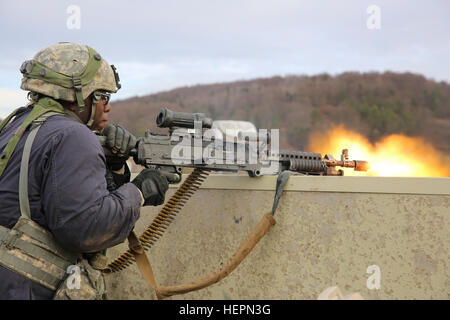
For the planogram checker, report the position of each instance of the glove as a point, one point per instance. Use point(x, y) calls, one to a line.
point(110, 183)
point(152, 185)
point(115, 180)
point(120, 141)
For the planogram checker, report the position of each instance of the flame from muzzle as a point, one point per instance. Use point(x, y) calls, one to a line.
point(395, 155)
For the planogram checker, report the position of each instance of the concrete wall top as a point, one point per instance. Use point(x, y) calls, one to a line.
point(386, 185)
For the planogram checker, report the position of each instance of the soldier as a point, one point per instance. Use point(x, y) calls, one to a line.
point(57, 210)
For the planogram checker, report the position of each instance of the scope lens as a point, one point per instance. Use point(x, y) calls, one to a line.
point(160, 118)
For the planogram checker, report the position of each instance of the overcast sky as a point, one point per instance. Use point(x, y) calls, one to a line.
point(161, 45)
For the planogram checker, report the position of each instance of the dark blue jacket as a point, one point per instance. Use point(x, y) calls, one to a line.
point(67, 194)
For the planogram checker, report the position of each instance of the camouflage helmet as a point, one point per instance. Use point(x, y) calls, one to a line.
point(70, 72)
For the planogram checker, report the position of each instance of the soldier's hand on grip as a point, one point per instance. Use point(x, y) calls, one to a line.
point(118, 139)
point(120, 142)
point(152, 185)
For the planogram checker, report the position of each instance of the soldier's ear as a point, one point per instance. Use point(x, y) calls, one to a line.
point(73, 107)
point(68, 105)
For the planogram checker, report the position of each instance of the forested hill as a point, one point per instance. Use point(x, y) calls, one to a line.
point(374, 104)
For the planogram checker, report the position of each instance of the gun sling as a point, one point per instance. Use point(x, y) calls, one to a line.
point(162, 292)
point(246, 246)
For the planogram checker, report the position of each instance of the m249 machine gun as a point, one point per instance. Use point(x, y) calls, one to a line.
point(193, 143)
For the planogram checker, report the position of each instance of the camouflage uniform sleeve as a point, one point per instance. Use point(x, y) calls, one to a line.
point(81, 213)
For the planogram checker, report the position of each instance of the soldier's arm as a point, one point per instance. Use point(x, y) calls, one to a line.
point(81, 213)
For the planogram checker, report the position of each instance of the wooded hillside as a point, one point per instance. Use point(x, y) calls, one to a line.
point(373, 104)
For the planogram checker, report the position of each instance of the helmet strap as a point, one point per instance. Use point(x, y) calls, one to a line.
point(94, 102)
point(76, 81)
point(91, 118)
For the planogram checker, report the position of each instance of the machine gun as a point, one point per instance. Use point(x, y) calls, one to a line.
point(193, 143)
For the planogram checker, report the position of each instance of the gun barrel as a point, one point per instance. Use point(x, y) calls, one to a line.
point(361, 165)
point(167, 118)
point(358, 165)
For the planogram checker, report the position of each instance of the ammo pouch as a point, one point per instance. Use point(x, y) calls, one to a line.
point(31, 250)
point(83, 283)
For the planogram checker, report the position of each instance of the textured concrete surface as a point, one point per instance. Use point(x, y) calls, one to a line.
point(322, 239)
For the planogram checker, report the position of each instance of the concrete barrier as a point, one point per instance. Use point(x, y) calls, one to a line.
point(384, 238)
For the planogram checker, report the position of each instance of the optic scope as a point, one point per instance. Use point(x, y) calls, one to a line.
point(168, 119)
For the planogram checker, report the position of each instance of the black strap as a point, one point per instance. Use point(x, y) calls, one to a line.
point(281, 181)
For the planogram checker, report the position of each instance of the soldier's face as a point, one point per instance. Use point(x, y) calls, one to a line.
point(101, 115)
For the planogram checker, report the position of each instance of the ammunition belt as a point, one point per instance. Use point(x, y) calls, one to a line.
point(137, 246)
point(160, 223)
